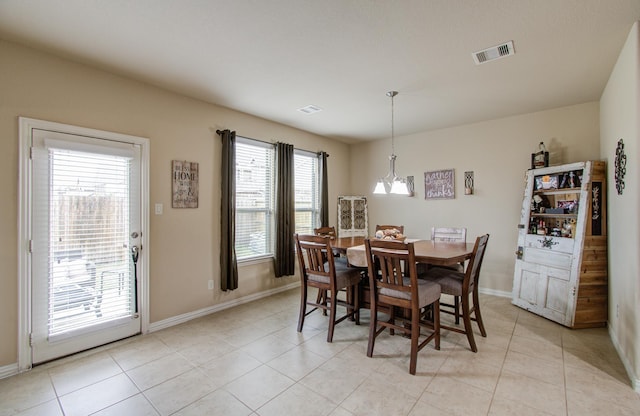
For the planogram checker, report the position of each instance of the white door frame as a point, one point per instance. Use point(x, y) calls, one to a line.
point(24, 233)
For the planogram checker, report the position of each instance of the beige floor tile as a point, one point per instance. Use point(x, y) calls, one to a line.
point(137, 405)
point(267, 348)
point(455, 397)
point(579, 403)
point(297, 363)
point(537, 349)
point(180, 391)
point(502, 407)
point(339, 411)
point(200, 353)
point(219, 402)
point(547, 397)
point(229, 367)
point(50, 408)
point(330, 381)
point(258, 386)
point(81, 373)
point(159, 371)
point(472, 372)
point(597, 361)
point(533, 367)
point(297, 400)
point(599, 385)
point(25, 391)
point(98, 396)
point(379, 397)
point(425, 409)
point(140, 351)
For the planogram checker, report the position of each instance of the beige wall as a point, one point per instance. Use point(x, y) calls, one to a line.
point(184, 243)
point(499, 153)
point(619, 109)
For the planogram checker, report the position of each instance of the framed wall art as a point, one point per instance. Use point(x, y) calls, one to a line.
point(184, 189)
point(439, 184)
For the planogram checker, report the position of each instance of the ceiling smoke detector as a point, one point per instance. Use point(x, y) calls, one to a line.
point(495, 52)
point(310, 109)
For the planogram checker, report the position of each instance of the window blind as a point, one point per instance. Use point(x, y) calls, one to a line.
point(307, 191)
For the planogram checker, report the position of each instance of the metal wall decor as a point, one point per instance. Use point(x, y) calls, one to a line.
point(620, 166)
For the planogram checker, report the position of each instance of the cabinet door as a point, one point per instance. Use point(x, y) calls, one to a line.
point(544, 290)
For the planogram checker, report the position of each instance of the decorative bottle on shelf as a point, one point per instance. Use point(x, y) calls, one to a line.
point(540, 159)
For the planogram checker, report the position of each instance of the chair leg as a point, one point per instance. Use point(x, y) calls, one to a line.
point(436, 322)
point(467, 323)
point(456, 305)
point(332, 315)
point(303, 306)
point(356, 303)
point(322, 299)
point(373, 326)
point(476, 309)
point(415, 332)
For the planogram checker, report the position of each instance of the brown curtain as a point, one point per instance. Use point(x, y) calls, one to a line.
point(284, 255)
point(228, 260)
point(324, 189)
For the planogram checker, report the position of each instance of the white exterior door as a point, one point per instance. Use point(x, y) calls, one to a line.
point(85, 242)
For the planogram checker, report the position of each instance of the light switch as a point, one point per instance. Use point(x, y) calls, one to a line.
point(158, 209)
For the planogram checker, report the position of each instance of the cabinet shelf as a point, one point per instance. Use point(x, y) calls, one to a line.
point(557, 191)
point(536, 215)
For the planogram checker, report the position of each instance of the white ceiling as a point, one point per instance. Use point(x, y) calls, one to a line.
point(270, 57)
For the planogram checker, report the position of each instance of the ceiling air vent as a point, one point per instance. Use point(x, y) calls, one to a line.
point(495, 52)
point(310, 109)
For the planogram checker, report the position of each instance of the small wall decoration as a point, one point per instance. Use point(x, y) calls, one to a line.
point(621, 166)
point(439, 184)
point(468, 183)
point(353, 217)
point(184, 184)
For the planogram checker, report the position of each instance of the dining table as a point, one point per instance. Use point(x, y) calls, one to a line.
point(437, 253)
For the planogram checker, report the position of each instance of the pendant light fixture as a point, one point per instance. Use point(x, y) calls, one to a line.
point(392, 183)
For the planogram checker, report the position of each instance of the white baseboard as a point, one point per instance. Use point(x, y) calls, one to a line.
point(176, 320)
point(9, 370)
point(635, 381)
point(493, 292)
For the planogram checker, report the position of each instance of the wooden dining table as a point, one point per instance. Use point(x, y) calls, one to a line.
point(437, 253)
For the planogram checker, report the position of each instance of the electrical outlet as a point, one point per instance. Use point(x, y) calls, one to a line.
point(210, 284)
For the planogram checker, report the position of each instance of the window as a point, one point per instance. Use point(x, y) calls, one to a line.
point(307, 193)
point(254, 198)
point(255, 176)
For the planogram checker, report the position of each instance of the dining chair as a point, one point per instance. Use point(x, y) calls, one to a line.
point(319, 270)
point(330, 232)
point(463, 285)
point(450, 235)
point(392, 289)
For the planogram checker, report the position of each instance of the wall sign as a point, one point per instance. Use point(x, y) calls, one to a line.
point(184, 188)
point(439, 184)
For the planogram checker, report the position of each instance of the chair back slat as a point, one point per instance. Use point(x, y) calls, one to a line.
point(315, 255)
point(449, 234)
point(389, 262)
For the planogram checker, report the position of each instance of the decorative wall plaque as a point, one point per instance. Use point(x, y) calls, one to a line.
point(621, 166)
point(439, 184)
point(184, 188)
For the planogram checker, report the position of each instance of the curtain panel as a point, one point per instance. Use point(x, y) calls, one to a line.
point(228, 260)
point(284, 255)
point(324, 189)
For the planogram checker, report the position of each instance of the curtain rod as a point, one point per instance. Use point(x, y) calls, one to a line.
point(219, 132)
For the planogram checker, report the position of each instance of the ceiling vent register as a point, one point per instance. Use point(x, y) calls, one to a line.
point(495, 52)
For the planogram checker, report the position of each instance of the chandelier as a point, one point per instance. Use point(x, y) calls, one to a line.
point(392, 183)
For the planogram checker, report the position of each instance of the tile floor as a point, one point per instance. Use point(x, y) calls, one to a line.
point(251, 361)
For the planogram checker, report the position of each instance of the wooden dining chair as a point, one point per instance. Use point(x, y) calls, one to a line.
point(319, 270)
point(449, 235)
point(463, 286)
point(330, 232)
point(392, 289)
